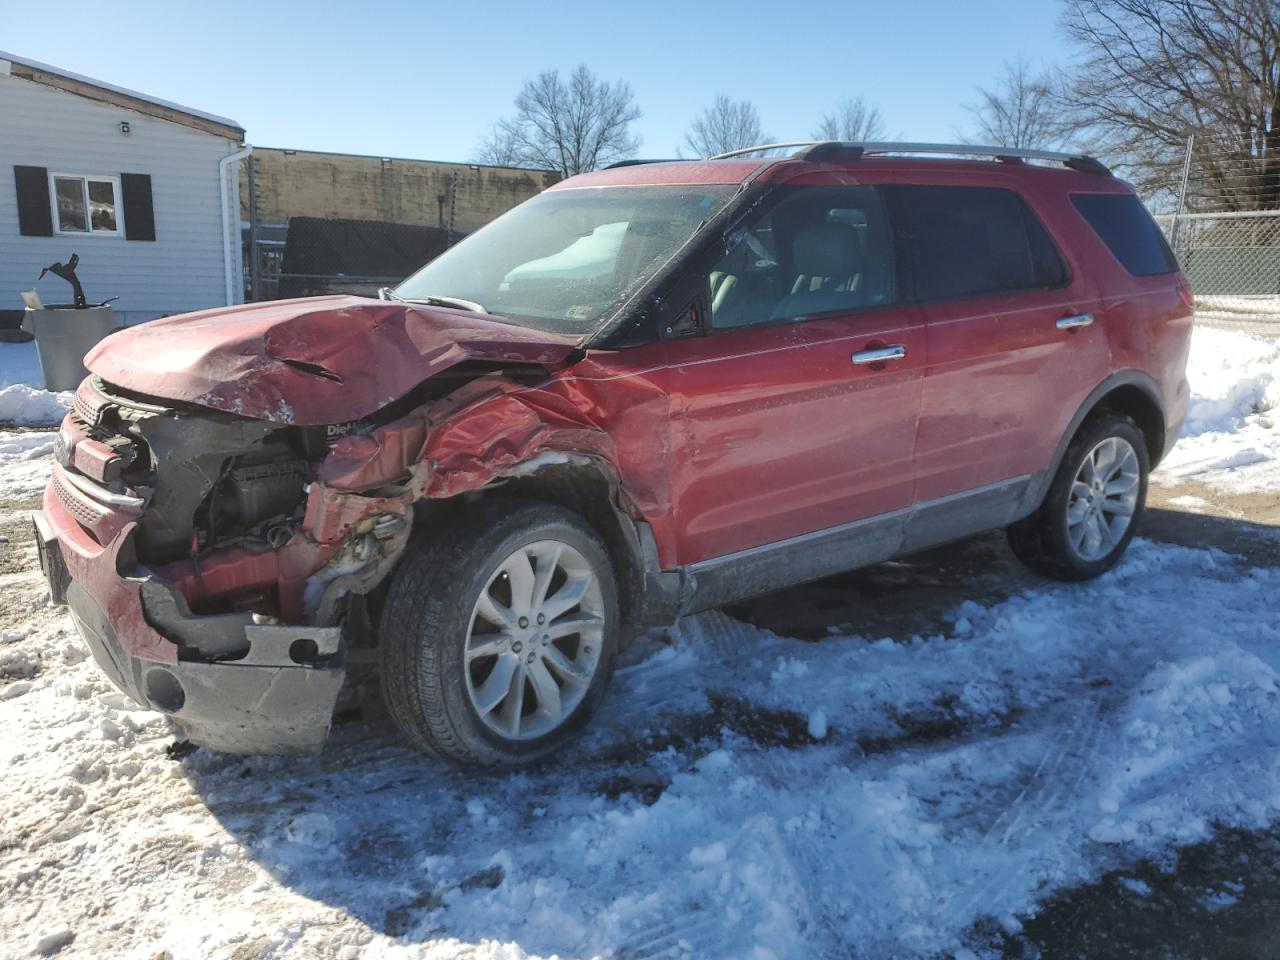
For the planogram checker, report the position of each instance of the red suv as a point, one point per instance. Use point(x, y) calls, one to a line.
point(650, 390)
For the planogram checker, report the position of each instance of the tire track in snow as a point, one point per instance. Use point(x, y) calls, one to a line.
point(672, 937)
point(697, 933)
point(715, 639)
point(719, 642)
point(1054, 781)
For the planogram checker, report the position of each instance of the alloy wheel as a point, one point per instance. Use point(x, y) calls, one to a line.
point(1104, 497)
point(534, 642)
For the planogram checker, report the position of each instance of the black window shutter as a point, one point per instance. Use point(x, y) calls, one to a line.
point(35, 217)
point(139, 219)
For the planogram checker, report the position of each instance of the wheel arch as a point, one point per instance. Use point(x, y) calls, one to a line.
point(1130, 392)
point(588, 486)
point(1140, 405)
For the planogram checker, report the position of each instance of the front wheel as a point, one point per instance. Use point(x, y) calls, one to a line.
point(1091, 510)
point(499, 634)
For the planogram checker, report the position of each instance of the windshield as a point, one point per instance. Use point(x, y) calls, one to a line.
point(564, 260)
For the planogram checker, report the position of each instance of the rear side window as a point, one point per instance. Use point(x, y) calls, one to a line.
point(969, 241)
point(1127, 229)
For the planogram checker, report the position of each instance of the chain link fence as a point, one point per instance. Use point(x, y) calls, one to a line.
point(1225, 230)
point(1232, 261)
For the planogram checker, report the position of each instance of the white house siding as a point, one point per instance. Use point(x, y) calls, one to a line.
point(182, 269)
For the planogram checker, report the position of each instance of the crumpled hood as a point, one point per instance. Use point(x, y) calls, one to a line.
point(309, 362)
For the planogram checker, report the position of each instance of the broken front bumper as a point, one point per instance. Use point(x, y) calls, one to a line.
point(265, 702)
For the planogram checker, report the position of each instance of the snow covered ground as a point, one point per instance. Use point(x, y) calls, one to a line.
point(24, 462)
point(744, 794)
point(876, 792)
point(25, 403)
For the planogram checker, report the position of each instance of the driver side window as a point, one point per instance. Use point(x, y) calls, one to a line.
point(819, 250)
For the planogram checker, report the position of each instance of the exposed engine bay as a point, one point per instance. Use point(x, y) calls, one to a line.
point(207, 477)
point(222, 509)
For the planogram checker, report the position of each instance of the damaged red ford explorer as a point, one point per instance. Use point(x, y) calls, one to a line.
point(648, 391)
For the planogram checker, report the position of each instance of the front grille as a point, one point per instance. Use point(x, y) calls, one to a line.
point(103, 417)
point(87, 406)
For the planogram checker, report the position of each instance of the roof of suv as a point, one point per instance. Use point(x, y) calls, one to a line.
point(823, 155)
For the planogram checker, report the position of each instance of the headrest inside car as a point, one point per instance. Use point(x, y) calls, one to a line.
point(827, 250)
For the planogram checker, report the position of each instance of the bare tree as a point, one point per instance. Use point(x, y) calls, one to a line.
point(1021, 111)
point(497, 150)
point(852, 120)
point(571, 126)
point(725, 125)
point(1155, 71)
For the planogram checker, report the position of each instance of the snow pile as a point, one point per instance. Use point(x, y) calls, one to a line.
point(742, 794)
point(23, 399)
point(25, 455)
point(1231, 437)
point(1263, 308)
point(24, 463)
point(31, 407)
point(1188, 715)
point(1233, 377)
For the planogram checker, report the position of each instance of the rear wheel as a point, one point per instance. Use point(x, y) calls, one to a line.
point(1091, 510)
point(499, 634)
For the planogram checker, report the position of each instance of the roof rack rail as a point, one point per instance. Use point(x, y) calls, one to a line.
point(827, 150)
point(760, 148)
point(636, 163)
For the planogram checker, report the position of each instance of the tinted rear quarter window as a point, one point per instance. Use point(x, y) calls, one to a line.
point(1128, 231)
point(969, 241)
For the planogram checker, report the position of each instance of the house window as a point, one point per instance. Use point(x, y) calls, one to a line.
point(85, 204)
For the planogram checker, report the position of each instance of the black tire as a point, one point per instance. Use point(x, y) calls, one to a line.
point(1042, 541)
point(428, 613)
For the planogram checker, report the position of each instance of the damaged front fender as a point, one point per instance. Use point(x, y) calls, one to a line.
point(493, 426)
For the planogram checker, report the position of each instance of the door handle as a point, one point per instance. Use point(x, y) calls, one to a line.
point(1076, 320)
point(880, 354)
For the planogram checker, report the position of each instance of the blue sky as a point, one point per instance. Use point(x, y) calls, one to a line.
point(397, 78)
